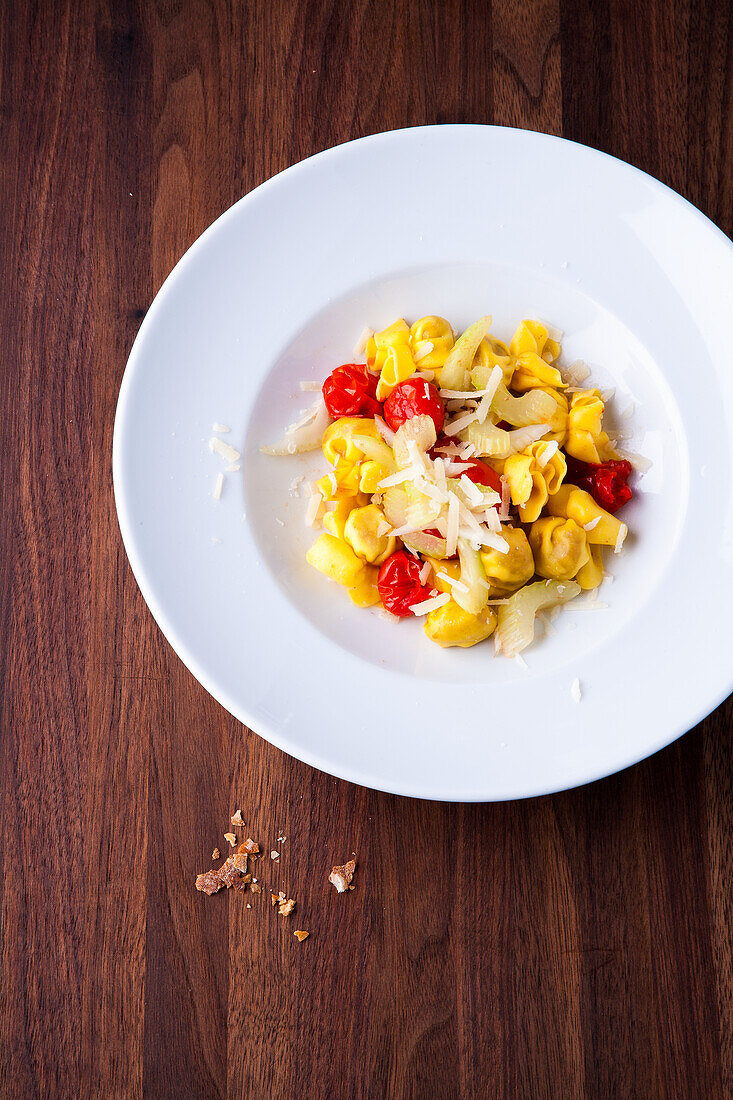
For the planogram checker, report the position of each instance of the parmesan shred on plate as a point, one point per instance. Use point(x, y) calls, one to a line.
point(218, 486)
point(575, 693)
point(224, 450)
point(220, 428)
point(426, 606)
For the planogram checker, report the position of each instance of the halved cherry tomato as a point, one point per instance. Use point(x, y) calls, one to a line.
point(607, 482)
point(414, 397)
point(399, 583)
point(351, 390)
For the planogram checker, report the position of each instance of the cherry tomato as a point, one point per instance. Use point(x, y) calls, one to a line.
point(351, 390)
point(607, 482)
point(399, 583)
point(414, 397)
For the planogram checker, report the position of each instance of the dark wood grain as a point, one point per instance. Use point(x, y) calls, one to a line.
point(573, 946)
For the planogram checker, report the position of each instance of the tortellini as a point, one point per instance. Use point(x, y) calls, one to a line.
point(361, 531)
point(450, 625)
point(586, 438)
point(506, 572)
point(489, 354)
point(389, 352)
point(600, 526)
point(534, 351)
point(559, 546)
point(590, 575)
point(533, 476)
point(352, 471)
point(431, 339)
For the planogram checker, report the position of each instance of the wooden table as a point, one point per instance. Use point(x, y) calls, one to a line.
point(571, 946)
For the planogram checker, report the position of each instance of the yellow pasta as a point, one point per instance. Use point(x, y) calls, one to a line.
point(586, 438)
point(560, 547)
point(533, 476)
point(600, 526)
point(431, 339)
point(508, 571)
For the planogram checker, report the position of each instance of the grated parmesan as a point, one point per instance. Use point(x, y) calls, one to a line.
point(622, 533)
point(425, 349)
point(218, 486)
point(548, 453)
point(591, 524)
point(361, 344)
point(460, 423)
point(426, 606)
point(220, 428)
point(233, 469)
point(224, 450)
point(310, 386)
point(575, 692)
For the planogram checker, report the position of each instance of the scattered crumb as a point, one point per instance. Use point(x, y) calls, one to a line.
point(249, 846)
point(281, 839)
point(341, 876)
point(208, 882)
point(286, 907)
point(255, 888)
point(231, 838)
point(301, 935)
point(215, 540)
point(237, 819)
point(274, 854)
point(248, 905)
point(216, 854)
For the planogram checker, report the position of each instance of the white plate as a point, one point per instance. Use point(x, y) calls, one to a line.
point(460, 221)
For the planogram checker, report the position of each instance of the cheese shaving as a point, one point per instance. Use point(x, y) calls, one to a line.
point(224, 450)
point(548, 452)
point(315, 506)
point(361, 344)
point(425, 349)
point(426, 606)
point(310, 386)
point(383, 528)
point(460, 423)
point(425, 572)
point(220, 428)
point(452, 528)
point(218, 486)
point(575, 692)
point(591, 524)
point(622, 533)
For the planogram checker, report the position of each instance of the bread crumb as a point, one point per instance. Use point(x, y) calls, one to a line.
point(216, 854)
point(274, 854)
point(255, 888)
point(237, 819)
point(286, 907)
point(301, 935)
point(231, 838)
point(341, 876)
point(248, 905)
point(249, 846)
